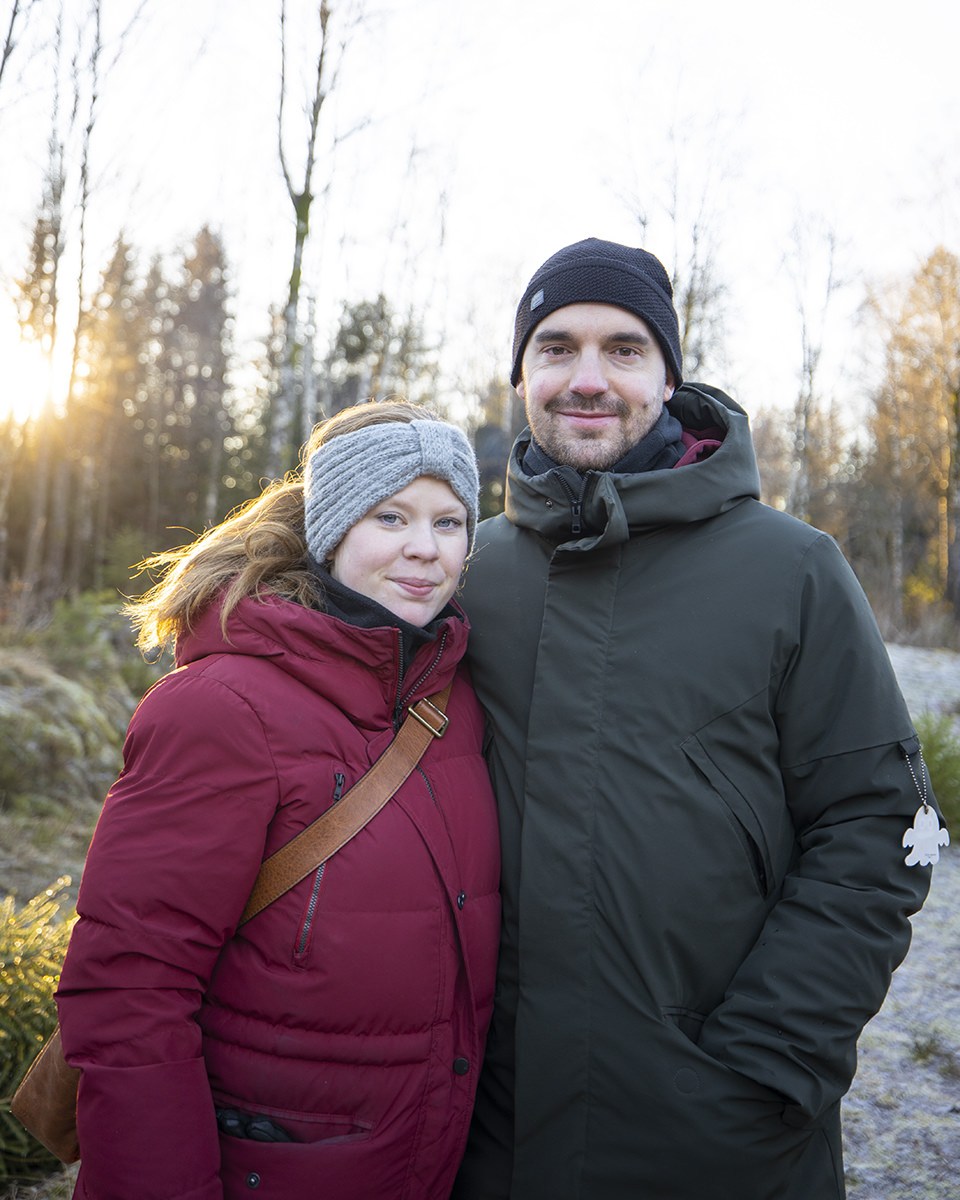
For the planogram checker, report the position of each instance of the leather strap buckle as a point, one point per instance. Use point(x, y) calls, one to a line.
point(430, 717)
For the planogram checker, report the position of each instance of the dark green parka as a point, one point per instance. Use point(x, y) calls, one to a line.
point(700, 754)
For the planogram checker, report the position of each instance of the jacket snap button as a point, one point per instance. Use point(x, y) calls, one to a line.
point(460, 1066)
point(253, 1180)
point(549, 504)
point(460, 899)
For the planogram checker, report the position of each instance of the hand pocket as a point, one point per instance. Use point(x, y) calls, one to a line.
point(727, 1133)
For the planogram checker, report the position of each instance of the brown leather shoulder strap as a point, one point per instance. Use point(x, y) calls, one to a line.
point(425, 720)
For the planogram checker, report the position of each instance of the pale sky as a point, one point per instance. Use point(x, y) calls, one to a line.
point(499, 132)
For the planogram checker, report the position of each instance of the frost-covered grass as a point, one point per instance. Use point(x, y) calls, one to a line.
point(901, 1118)
point(57, 1187)
point(66, 694)
point(59, 752)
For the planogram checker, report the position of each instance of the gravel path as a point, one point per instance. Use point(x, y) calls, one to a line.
point(902, 1116)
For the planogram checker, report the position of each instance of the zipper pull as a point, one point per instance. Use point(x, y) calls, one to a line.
point(576, 502)
point(339, 779)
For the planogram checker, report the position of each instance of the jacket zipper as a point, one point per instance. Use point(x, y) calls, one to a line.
point(398, 704)
point(396, 718)
point(422, 774)
point(339, 779)
point(576, 502)
point(401, 700)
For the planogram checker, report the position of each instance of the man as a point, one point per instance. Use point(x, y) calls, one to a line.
point(705, 772)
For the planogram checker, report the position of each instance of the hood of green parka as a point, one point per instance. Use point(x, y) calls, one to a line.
point(621, 504)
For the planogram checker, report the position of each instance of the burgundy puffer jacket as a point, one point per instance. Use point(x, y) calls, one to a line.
point(353, 1011)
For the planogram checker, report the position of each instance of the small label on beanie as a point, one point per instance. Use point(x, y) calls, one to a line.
point(536, 300)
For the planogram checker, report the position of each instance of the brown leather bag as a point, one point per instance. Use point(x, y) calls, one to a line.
point(45, 1103)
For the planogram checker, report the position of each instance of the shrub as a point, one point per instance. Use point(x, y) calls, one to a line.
point(941, 752)
point(33, 942)
point(51, 1187)
point(56, 740)
point(89, 640)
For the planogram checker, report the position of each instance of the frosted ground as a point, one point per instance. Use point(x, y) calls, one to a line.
point(902, 1115)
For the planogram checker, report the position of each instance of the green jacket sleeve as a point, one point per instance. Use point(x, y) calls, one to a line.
point(822, 964)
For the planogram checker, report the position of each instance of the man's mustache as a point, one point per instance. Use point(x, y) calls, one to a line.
point(608, 405)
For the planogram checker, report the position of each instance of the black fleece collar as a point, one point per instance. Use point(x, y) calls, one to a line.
point(356, 609)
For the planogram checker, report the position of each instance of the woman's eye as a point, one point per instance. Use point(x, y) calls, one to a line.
point(449, 523)
point(389, 518)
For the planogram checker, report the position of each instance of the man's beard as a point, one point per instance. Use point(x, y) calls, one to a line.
point(588, 451)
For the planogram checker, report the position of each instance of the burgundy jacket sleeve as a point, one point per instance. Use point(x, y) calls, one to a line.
point(176, 851)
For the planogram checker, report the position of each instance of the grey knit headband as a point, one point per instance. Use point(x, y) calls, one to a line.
point(346, 476)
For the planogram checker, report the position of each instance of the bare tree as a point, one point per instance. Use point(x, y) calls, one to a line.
point(310, 410)
point(11, 440)
point(690, 212)
point(329, 58)
point(698, 292)
point(813, 269)
point(85, 83)
point(18, 11)
point(56, 491)
point(39, 306)
point(771, 441)
point(11, 437)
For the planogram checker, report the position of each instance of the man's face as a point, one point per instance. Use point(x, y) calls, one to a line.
point(594, 382)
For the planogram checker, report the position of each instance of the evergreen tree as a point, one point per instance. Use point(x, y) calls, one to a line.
point(38, 305)
point(202, 341)
point(375, 354)
point(108, 442)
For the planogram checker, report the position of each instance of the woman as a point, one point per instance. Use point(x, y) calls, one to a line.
point(336, 1037)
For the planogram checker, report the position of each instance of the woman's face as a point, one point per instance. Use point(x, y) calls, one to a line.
point(407, 552)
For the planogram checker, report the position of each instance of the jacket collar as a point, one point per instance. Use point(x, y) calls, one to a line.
point(353, 608)
point(612, 505)
point(355, 668)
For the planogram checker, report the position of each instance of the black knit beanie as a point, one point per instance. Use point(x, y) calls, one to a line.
point(598, 272)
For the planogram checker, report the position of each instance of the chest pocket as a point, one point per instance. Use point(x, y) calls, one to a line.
point(739, 812)
point(310, 911)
